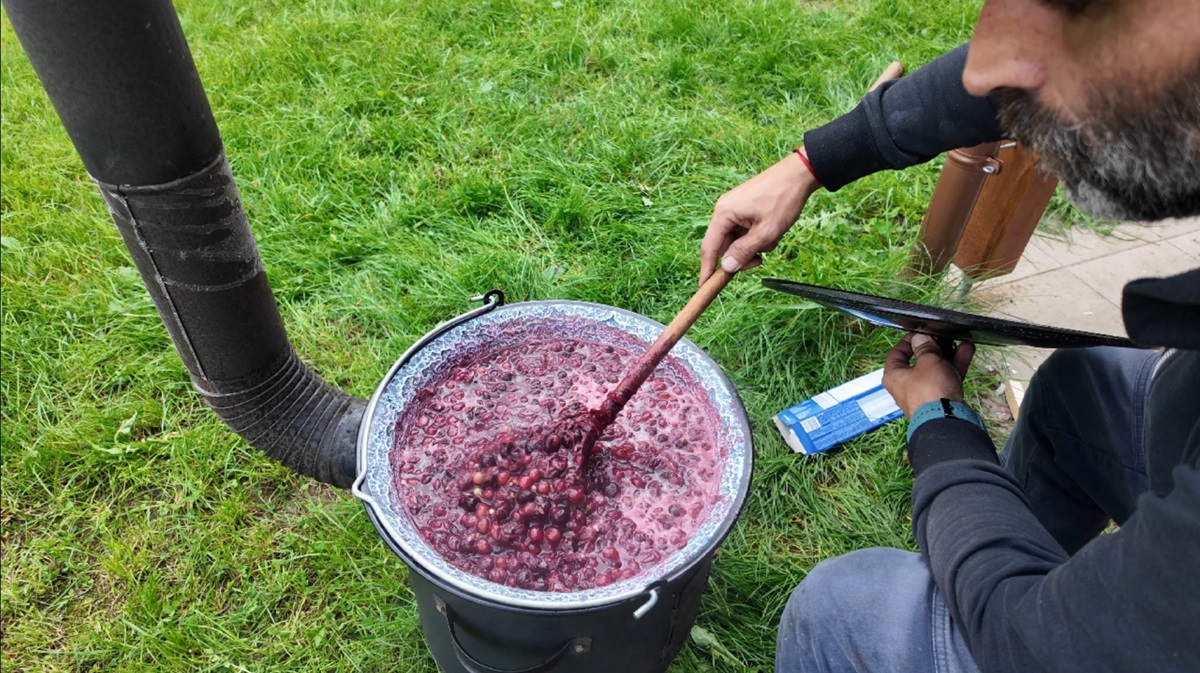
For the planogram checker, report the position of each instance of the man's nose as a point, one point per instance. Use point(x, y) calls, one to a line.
point(1011, 47)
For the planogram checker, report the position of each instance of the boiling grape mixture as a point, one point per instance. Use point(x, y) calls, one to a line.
point(494, 488)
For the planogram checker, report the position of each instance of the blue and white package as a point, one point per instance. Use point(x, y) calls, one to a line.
point(837, 415)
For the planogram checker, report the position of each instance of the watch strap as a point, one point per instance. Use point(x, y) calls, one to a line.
point(943, 408)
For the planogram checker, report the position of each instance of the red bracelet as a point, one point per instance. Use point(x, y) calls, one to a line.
point(807, 165)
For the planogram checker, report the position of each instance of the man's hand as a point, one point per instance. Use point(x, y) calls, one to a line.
point(930, 378)
point(751, 218)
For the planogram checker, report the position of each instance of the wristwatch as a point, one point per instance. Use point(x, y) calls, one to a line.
point(943, 408)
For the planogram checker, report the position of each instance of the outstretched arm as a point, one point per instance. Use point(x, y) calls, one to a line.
point(901, 123)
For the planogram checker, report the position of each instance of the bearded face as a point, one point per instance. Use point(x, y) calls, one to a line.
point(1131, 158)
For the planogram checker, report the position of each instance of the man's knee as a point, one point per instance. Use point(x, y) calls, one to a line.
point(841, 610)
point(843, 586)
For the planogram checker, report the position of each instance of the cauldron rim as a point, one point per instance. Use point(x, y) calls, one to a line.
point(482, 589)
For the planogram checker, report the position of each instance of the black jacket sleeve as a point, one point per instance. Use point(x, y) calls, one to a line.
point(902, 123)
point(1128, 601)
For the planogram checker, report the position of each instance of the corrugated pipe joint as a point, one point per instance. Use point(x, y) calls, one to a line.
point(293, 416)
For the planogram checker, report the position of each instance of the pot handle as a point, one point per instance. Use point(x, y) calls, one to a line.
point(491, 300)
point(358, 489)
point(650, 602)
point(573, 646)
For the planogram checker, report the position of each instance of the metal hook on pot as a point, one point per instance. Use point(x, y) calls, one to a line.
point(650, 602)
point(491, 297)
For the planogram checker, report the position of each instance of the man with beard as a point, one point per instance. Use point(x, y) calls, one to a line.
point(1014, 573)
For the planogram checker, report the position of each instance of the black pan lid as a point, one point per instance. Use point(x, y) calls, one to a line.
point(944, 323)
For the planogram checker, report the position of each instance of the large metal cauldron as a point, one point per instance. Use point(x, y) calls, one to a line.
point(472, 625)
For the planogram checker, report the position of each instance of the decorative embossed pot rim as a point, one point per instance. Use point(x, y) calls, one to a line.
point(375, 487)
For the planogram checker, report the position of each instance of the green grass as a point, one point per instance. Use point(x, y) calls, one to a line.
point(394, 160)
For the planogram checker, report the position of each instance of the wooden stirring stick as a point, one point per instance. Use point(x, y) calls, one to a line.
point(636, 375)
point(645, 365)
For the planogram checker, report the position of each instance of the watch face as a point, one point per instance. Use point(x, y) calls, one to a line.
point(944, 323)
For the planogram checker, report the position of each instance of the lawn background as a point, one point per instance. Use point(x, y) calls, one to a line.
point(394, 160)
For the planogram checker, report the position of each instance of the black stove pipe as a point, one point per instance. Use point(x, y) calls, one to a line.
point(123, 82)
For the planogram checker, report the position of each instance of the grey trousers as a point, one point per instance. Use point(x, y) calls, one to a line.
point(1078, 454)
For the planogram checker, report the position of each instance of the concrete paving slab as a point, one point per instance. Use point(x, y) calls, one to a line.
point(1188, 243)
point(1057, 298)
point(1082, 245)
point(1108, 275)
point(1158, 231)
